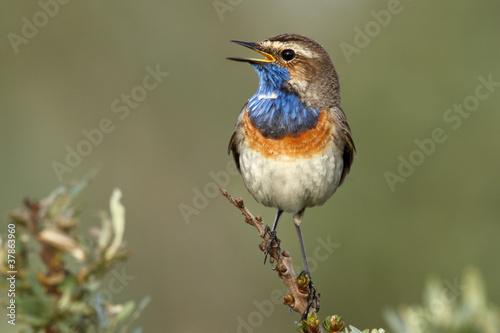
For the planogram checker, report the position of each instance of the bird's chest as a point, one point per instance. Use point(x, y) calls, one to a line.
point(294, 171)
point(304, 144)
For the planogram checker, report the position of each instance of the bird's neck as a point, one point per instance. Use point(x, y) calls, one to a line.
point(275, 111)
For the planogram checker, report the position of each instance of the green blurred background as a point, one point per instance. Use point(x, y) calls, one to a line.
point(204, 270)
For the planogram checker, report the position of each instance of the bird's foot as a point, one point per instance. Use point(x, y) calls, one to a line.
point(312, 297)
point(273, 242)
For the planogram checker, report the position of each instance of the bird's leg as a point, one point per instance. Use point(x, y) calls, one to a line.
point(313, 297)
point(272, 238)
point(297, 219)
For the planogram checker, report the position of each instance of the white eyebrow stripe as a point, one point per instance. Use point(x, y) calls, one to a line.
point(306, 53)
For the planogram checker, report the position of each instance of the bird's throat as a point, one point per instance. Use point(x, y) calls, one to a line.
point(274, 110)
point(277, 114)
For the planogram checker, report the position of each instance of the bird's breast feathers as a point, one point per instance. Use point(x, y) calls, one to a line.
point(294, 171)
point(304, 144)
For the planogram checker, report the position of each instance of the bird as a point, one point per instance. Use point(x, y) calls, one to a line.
point(292, 143)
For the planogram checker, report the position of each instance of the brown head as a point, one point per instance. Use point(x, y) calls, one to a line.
point(312, 75)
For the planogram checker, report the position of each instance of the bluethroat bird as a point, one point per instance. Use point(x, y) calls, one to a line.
point(292, 143)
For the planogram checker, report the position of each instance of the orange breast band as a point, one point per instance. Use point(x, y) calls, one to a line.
point(306, 144)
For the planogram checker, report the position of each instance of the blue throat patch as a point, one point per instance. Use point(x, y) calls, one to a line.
point(275, 112)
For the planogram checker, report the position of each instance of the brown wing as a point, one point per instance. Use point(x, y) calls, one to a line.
point(349, 147)
point(234, 149)
point(236, 138)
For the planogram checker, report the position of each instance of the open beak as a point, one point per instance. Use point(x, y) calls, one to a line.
point(256, 48)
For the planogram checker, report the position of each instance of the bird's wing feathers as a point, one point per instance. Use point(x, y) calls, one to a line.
point(349, 148)
point(233, 147)
point(236, 138)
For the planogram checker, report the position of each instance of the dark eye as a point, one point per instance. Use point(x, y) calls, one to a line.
point(288, 54)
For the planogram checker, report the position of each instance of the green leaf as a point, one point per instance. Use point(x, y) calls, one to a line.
point(37, 289)
point(127, 310)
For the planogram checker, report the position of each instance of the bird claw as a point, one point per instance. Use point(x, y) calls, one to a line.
point(273, 242)
point(312, 297)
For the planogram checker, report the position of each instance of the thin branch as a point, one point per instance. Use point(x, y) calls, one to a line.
point(298, 287)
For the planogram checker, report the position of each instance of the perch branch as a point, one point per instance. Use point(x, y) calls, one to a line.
point(298, 287)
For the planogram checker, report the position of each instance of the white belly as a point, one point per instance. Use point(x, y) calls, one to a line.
point(291, 184)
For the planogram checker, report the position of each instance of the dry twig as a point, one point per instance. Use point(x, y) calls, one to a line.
point(298, 287)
